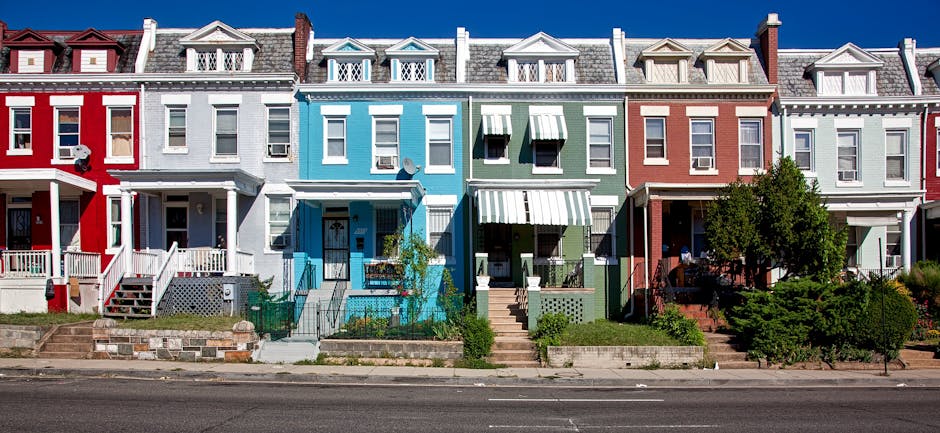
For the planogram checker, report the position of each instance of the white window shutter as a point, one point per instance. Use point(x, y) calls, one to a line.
point(513, 70)
point(569, 71)
point(396, 64)
point(430, 68)
point(248, 59)
point(331, 70)
point(190, 59)
point(366, 70)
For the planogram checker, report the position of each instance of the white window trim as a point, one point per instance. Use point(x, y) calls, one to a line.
point(382, 117)
point(503, 160)
point(604, 202)
point(714, 170)
point(166, 134)
point(561, 245)
point(109, 159)
point(858, 155)
point(605, 115)
point(906, 155)
point(224, 159)
point(267, 224)
point(267, 133)
point(656, 161)
point(871, 87)
point(436, 169)
point(11, 151)
point(56, 160)
point(743, 171)
point(110, 238)
point(329, 115)
point(812, 150)
point(446, 259)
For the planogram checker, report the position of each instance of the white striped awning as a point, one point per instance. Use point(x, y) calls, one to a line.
point(547, 127)
point(501, 206)
point(545, 207)
point(497, 124)
point(559, 208)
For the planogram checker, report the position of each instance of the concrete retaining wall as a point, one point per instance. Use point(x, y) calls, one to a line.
point(394, 348)
point(625, 356)
point(228, 346)
point(20, 336)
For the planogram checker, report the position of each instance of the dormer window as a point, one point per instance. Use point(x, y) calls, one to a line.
point(727, 62)
point(31, 62)
point(218, 47)
point(541, 59)
point(349, 61)
point(847, 71)
point(94, 51)
point(666, 62)
point(412, 61)
point(31, 52)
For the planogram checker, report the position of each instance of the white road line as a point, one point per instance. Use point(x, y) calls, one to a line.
point(604, 427)
point(568, 400)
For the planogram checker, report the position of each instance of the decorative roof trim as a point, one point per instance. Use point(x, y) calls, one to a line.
point(19, 39)
point(399, 50)
point(541, 45)
point(866, 60)
point(739, 50)
point(100, 40)
point(655, 50)
point(362, 50)
point(196, 38)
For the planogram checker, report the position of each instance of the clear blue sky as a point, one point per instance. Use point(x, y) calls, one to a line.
point(806, 24)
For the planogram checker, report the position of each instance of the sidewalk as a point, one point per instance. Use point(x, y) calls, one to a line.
point(562, 377)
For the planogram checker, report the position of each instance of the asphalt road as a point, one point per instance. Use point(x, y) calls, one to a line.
point(96, 405)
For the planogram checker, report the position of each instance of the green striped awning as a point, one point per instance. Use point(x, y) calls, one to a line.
point(497, 124)
point(500, 206)
point(547, 127)
point(559, 208)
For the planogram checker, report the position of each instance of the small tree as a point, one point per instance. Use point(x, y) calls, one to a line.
point(776, 221)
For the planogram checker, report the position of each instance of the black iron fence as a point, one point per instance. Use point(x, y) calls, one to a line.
point(560, 273)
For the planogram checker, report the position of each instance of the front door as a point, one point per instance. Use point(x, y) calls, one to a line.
point(19, 230)
point(497, 243)
point(336, 249)
point(177, 225)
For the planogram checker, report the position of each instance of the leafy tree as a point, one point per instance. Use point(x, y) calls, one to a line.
point(419, 280)
point(776, 221)
point(923, 280)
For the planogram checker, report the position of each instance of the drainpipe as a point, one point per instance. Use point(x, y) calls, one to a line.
point(470, 240)
point(783, 132)
point(646, 250)
point(143, 130)
point(632, 263)
point(923, 182)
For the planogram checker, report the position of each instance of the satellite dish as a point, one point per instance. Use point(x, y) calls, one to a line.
point(409, 166)
point(81, 152)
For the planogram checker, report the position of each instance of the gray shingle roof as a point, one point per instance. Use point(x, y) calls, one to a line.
point(275, 55)
point(594, 65)
point(927, 79)
point(444, 66)
point(634, 66)
point(63, 60)
point(796, 82)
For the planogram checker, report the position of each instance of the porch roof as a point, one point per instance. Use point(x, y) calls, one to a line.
point(358, 190)
point(24, 177)
point(542, 202)
point(675, 191)
point(188, 180)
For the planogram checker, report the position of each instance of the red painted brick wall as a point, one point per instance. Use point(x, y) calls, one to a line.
point(930, 143)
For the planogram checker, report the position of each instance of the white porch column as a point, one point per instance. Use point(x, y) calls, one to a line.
point(127, 231)
point(56, 229)
point(906, 238)
point(231, 231)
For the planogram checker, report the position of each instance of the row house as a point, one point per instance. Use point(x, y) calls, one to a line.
point(546, 167)
point(700, 115)
point(851, 120)
point(381, 151)
point(70, 109)
point(926, 80)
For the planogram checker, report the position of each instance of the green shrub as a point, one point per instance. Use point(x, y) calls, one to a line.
point(900, 316)
point(923, 281)
point(478, 337)
point(678, 326)
point(551, 325)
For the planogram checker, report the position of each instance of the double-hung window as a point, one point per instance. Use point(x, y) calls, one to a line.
point(546, 153)
point(895, 151)
point(803, 148)
point(67, 131)
point(114, 222)
point(847, 145)
point(69, 213)
point(440, 143)
point(278, 132)
point(655, 130)
point(21, 131)
point(698, 232)
point(496, 147)
point(600, 143)
point(120, 132)
point(602, 232)
point(221, 222)
point(334, 138)
point(226, 132)
point(440, 230)
point(386, 225)
point(176, 128)
point(279, 223)
point(751, 142)
point(548, 241)
point(703, 144)
point(385, 143)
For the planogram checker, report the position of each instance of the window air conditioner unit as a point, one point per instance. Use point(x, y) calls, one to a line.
point(848, 175)
point(893, 262)
point(278, 149)
point(66, 152)
point(704, 162)
point(385, 162)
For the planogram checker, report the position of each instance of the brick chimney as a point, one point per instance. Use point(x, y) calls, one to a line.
point(767, 35)
point(302, 28)
point(3, 31)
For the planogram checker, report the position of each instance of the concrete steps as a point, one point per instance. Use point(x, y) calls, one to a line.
point(723, 349)
point(919, 359)
point(69, 342)
point(699, 312)
point(512, 346)
point(132, 300)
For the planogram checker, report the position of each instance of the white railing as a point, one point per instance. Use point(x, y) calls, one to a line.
point(202, 260)
point(164, 275)
point(244, 263)
point(27, 264)
point(82, 265)
point(110, 278)
point(146, 262)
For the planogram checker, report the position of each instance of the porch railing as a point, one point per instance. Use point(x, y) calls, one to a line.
point(162, 278)
point(561, 273)
point(336, 301)
point(202, 260)
point(244, 262)
point(307, 280)
point(109, 279)
point(27, 263)
point(82, 265)
point(522, 293)
point(146, 262)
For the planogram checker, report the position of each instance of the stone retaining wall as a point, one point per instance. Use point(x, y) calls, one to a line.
point(147, 344)
point(20, 336)
point(625, 356)
point(420, 349)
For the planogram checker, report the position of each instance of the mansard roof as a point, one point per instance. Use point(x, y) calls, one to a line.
point(59, 42)
point(275, 52)
point(634, 49)
point(594, 63)
point(928, 68)
point(796, 79)
point(383, 51)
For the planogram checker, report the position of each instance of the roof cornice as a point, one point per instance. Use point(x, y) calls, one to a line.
point(144, 78)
